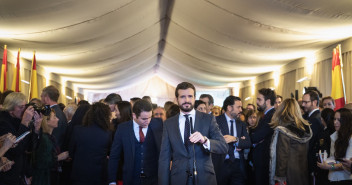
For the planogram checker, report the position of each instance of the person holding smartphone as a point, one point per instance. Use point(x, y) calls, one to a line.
point(15, 118)
point(341, 148)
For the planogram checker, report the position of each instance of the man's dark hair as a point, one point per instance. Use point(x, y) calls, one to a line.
point(313, 96)
point(197, 103)
point(278, 96)
point(62, 106)
point(211, 99)
point(249, 104)
point(147, 98)
point(134, 99)
point(83, 102)
point(141, 106)
point(184, 86)
point(52, 92)
point(268, 95)
point(113, 98)
point(230, 100)
point(328, 98)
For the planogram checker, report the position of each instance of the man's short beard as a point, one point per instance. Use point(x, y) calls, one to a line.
point(260, 108)
point(186, 109)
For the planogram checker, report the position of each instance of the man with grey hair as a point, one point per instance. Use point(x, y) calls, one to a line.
point(69, 111)
point(209, 102)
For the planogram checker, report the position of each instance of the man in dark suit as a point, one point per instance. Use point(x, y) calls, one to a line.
point(139, 142)
point(230, 167)
point(50, 96)
point(189, 138)
point(261, 136)
point(310, 103)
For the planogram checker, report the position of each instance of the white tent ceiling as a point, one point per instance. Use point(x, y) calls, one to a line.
point(110, 44)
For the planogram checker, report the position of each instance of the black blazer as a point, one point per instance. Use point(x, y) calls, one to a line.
point(60, 131)
point(89, 149)
point(261, 138)
point(218, 160)
point(317, 129)
point(124, 143)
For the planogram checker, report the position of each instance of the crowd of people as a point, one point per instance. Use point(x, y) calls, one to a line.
point(194, 142)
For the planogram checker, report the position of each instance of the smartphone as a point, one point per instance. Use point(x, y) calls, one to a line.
point(19, 138)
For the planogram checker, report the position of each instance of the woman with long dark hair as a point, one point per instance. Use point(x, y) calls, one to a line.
point(341, 148)
point(324, 142)
point(90, 146)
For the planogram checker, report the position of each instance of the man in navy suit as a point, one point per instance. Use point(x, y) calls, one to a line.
point(310, 104)
point(188, 140)
point(139, 142)
point(261, 136)
point(230, 167)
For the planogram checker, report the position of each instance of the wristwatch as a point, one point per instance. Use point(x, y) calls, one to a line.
point(205, 139)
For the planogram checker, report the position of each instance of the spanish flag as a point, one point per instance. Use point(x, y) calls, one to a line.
point(337, 90)
point(33, 93)
point(4, 71)
point(16, 81)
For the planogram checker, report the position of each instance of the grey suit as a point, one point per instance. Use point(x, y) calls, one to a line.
point(172, 147)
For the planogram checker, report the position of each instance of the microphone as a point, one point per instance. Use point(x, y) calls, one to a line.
point(194, 157)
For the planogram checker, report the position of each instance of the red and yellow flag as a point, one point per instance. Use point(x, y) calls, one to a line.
point(16, 81)
point(33, 92)
point(337, 90)
point(3, 80)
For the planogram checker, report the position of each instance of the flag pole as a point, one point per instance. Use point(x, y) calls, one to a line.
point(30, 80)
point(343, 81)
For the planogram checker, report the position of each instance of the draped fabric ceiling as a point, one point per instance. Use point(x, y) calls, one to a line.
point(108, 44)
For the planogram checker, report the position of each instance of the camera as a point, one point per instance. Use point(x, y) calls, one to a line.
point(45, 110)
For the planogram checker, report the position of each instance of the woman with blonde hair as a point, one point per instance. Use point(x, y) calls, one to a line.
point(289, 146)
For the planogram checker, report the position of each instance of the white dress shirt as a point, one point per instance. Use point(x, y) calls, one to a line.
point(192, 119)
point(136, 130)
point(228, 119)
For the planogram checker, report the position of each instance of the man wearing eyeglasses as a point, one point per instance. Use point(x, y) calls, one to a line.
point(310, 104)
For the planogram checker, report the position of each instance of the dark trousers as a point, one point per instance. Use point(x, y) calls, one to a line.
point(232, 173)
point(345, 182)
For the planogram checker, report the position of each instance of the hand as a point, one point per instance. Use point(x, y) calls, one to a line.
point(5, 164)
point(347, 163)
point(9, 141)
point(230, 139)
point(62, 156)
point(197, 137)
point(38, 118)
point(27, 116)
point(28, 180)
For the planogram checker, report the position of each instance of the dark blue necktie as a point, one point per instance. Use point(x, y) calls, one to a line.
point(231, 148)
point(187, 132)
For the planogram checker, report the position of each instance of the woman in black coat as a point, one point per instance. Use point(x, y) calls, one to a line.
point(90, 146)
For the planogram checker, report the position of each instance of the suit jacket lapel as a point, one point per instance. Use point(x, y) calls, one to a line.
point(132, 137)
point(177, 134)
point(238, 128)
point(197, 122)
point(223, 125)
